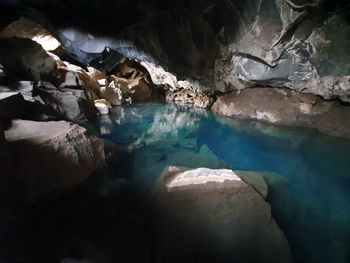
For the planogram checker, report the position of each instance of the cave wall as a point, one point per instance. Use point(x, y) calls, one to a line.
point(224, 45)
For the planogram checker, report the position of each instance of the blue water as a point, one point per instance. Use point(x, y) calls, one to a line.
point(310, 200)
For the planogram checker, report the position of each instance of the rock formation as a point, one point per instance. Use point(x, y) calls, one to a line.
point(212, 215)
point(284, 107)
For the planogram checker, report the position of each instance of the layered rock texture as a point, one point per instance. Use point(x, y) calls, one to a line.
point(195, 206)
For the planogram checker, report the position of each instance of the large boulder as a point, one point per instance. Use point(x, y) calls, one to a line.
point(286, 108)
point(206, 215)
point(52, 156)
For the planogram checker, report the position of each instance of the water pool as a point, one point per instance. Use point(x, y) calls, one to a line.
point(312, 206)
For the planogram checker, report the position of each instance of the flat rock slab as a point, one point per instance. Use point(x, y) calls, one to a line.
point(52, 156)
point(206, 215)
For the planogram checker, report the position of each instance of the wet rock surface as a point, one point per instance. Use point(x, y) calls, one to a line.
point(284, 107)
point(214, 205)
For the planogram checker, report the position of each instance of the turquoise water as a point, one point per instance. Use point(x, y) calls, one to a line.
point(310, 201)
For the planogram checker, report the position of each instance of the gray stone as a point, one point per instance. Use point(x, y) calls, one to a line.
point(52, 156)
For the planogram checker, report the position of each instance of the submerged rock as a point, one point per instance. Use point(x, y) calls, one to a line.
point(52, 156)
point(213, 215)
point(286, 108)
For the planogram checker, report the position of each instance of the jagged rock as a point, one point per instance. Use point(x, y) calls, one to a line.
point(189, 97)
point(137, 89)
point(52, 156)
point(140, 90)
point(160, 76)
point(202, 101)
point(25, 28)
point(102, 106)
point(67, 103)
point(29, 61)
point(286, 108)
point(301, 45)
point(96, 74)
point(212, 215)
point(72, 76)
point(130, 69)
point(102, 82)
point(287, 46)
point(169, 81)
point(111, 95)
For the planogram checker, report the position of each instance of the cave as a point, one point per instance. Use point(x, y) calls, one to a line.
point(175, 131)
